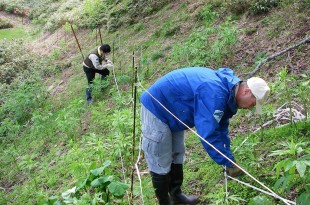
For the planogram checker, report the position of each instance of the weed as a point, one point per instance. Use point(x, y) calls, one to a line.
point(140, 27)
point(167, 30)
point(263, 6)
point(157, 56)
point(303, 91)
point(207, 14)
point(96, 187)
point(5, 24)
point(200, 50)
point(260, 200)
point(237, 7)
point(296, 159)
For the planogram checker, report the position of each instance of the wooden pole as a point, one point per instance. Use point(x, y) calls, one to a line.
point(77, 41)
point(134, 131)
point(100, 35)
point(133, 70)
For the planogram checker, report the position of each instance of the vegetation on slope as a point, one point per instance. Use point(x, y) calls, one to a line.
point(51, 141)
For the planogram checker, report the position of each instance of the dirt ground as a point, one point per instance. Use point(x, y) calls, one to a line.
point(14, 19)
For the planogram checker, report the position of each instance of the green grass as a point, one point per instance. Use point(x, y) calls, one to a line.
point(14, 33)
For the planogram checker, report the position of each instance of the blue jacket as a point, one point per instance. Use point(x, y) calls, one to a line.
point(199, 97)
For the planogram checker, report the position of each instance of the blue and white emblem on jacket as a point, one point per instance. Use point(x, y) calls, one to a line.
point(218, 114)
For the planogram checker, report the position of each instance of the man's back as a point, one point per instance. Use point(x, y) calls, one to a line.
point(182, 91)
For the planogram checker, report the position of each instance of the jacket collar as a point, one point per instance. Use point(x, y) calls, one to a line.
point(232, 104)
point(99, 52)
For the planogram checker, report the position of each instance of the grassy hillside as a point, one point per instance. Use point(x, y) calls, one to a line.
point(52, 141)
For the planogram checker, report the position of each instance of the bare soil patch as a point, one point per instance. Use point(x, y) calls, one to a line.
point(14, 19)
point(266, 38)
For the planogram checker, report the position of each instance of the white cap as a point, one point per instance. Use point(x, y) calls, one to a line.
point(260, 90)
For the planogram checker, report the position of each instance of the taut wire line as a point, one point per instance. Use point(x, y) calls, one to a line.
point(116, 81)
point(138, 171)
point(258, 189)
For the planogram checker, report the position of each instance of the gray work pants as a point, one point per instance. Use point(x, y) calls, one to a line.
point(161, 146)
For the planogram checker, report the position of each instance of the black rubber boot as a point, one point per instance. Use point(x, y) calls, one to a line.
point(88, 95)
point(176, 194)
point(102, 77)
point(161, 186)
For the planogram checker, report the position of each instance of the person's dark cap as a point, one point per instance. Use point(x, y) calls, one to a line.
point(105, 48)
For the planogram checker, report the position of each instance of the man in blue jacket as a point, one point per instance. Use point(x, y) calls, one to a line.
point(199, 97)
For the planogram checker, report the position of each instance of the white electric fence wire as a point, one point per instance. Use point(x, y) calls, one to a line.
point(138, 171)
point(261, 190)
point(116, 82)
point(124, 176)
point(193, 131)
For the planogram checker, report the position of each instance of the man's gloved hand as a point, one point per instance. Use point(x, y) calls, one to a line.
point(109, 65)
point(234, 171)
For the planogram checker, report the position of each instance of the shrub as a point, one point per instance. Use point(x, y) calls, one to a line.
point(263, 6)
point(237, 7)
point(254, 7)
point(4, 24)
point(143, 8)
point(96, 11)
point(20, 103)
point(157, 56)
point(206, 46)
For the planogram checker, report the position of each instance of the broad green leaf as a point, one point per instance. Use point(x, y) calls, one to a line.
point(279, 182)
point(51, 200)
point(301, 168)
point(118, 189)
point(260, 200)
point(306, 157)
point(299, 150)
point(286, 183)
point(289, 165)
point(236, 198)
point(305, 83)
point(303, 75)
point(80, 184)
point(304, 198)
point(106, 163)
point(92, 166)
point(278, 167)
point(286, 162)
point(306, 162)
point(280, 152)
point(67, 194)
point(97, 172)
point(104, 180)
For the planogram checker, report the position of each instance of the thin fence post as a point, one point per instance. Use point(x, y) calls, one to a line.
point(134, 131)
point(133, 70)
point(100, 35)
point(77, 41)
